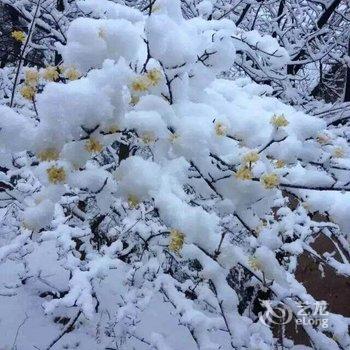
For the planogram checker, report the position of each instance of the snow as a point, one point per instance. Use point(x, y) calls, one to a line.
point(109, 10)
point(14, 126)
point(147, 144)
point(141, 187)
point(92, 41)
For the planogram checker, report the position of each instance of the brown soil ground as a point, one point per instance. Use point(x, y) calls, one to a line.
point(332, 288)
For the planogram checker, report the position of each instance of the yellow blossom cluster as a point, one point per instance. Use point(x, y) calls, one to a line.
point(112, 129)
point(93, 145)
point(220, 129)
point(269, 181)
point(31, 77)
point(140, 84)
point(279, 121)
point(19, 36)
point(133, 201)
point(148, 138)
point(244, 173)
point(251, 157)
point(173, 137)
point(48, 154)
point(50, 73)
point(279, 164)
point(154, 76)
point(29, 89)
point(177, 239)
point(338, 152)
point(56, 175)
point(144, 82)
point(71, 73)
point(323, 139)
point(254, 263)
point(28, 92)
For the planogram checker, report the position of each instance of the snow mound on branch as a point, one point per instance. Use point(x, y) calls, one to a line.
point(109, 10)
point(14, 126)
point(91, 41)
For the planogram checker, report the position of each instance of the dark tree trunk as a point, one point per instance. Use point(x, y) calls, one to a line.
point(327, 14)
point(347, 79)
point(279, 15)
point(243, 14)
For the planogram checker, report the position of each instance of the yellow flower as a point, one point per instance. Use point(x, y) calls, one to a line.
point(18, 35)
point(279, 121)
point(259, 228)
point(173, 137)
point(31, 77)
point(177, 239)
point(72, 74)
point(244, 173)
point(48, 154)
point(148, 139)
point(50, 73)
point(134, 100)
point(338, 152)
point(279, 164)
point(154, 76)
point(220, 129)
point(61, 69)
point(254, 263)
point(133, 201)
point(140, 84)
point(112, 129)
point(323, 139)
point(56, 175)
point(269, 180)
point(93, 145)
point(251, 157)
point(28, 92)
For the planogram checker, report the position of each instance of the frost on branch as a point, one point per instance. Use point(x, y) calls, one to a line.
point(142, 190)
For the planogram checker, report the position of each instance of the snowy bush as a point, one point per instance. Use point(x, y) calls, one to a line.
point(148, 204)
